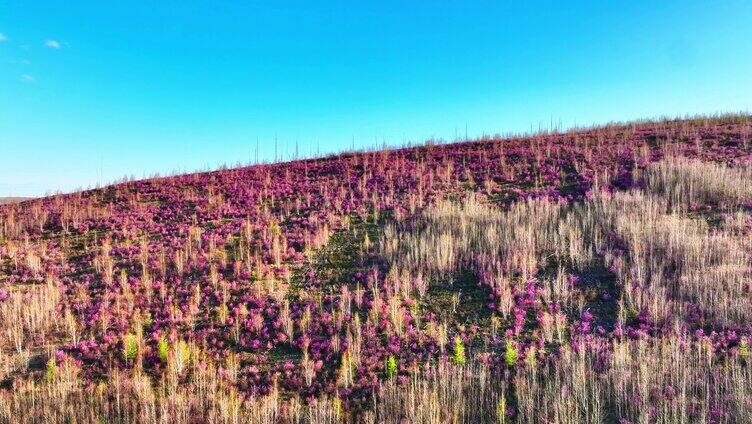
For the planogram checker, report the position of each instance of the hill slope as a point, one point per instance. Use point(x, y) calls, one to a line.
point(472, 278)
point(8, 200)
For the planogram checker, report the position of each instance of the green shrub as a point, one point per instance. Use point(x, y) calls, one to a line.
point(391, 366)
point(743, 348)
point(458, 357)
point(51, 371)
point(510, 354)
point(130, 347)
point(163, 349)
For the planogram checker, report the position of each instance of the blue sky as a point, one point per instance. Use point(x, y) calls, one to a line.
point(90, 93)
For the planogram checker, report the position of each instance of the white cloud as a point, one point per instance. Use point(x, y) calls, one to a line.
point(3, 37)
point(52, 44)
point(28, 78)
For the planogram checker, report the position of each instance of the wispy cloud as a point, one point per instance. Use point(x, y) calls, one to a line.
point(28, 78)
point(53, 44)
point(3, 37)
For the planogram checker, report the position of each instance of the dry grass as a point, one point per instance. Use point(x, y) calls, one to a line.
point(445, 393)
point(200, 395)
point(673, 261)
point(667, 261)
point(504, 246)
point(689, 183)
point(669, 380)
point(666, 381)
point(28, 320)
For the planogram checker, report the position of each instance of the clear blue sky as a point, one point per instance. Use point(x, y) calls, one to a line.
point(90, 92)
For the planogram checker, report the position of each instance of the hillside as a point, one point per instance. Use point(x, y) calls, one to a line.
point(603, 273)
point(8, 200)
